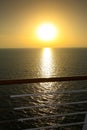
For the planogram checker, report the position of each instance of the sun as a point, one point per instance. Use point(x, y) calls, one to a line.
point(46, 32)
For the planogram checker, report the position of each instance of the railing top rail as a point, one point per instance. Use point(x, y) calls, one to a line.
point(38, 80)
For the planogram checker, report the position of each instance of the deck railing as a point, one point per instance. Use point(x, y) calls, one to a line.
point(43, 80)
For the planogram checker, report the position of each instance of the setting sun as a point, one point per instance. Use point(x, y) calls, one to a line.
point(46, 32)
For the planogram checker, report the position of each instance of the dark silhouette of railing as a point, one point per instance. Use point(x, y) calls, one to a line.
point(37, 80)
point(42, 80)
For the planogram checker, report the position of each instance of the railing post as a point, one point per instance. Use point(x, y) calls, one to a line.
point(85, 125)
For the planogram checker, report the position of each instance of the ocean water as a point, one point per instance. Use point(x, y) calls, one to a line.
point(37, 63)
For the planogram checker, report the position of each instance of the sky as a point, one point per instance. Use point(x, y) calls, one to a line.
point(20, 18)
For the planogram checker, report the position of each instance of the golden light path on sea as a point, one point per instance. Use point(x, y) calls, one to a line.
point(46, 65)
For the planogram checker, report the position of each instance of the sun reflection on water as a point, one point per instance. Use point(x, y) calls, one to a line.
point(46, 64)
point(46, 98)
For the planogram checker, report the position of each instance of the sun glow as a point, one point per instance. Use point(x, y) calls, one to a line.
point(46, 32)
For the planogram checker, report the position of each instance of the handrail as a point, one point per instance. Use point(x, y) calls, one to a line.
point(43, 80)
point(38, 80)
point(49, 105)
point(51, 93)
point(58, 125)
point(42, 117)
point(45, 93)
point(42, 106)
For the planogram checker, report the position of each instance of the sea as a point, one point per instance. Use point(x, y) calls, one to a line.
point(28, 63)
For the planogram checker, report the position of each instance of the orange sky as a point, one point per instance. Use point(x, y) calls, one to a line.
point(20, 18)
